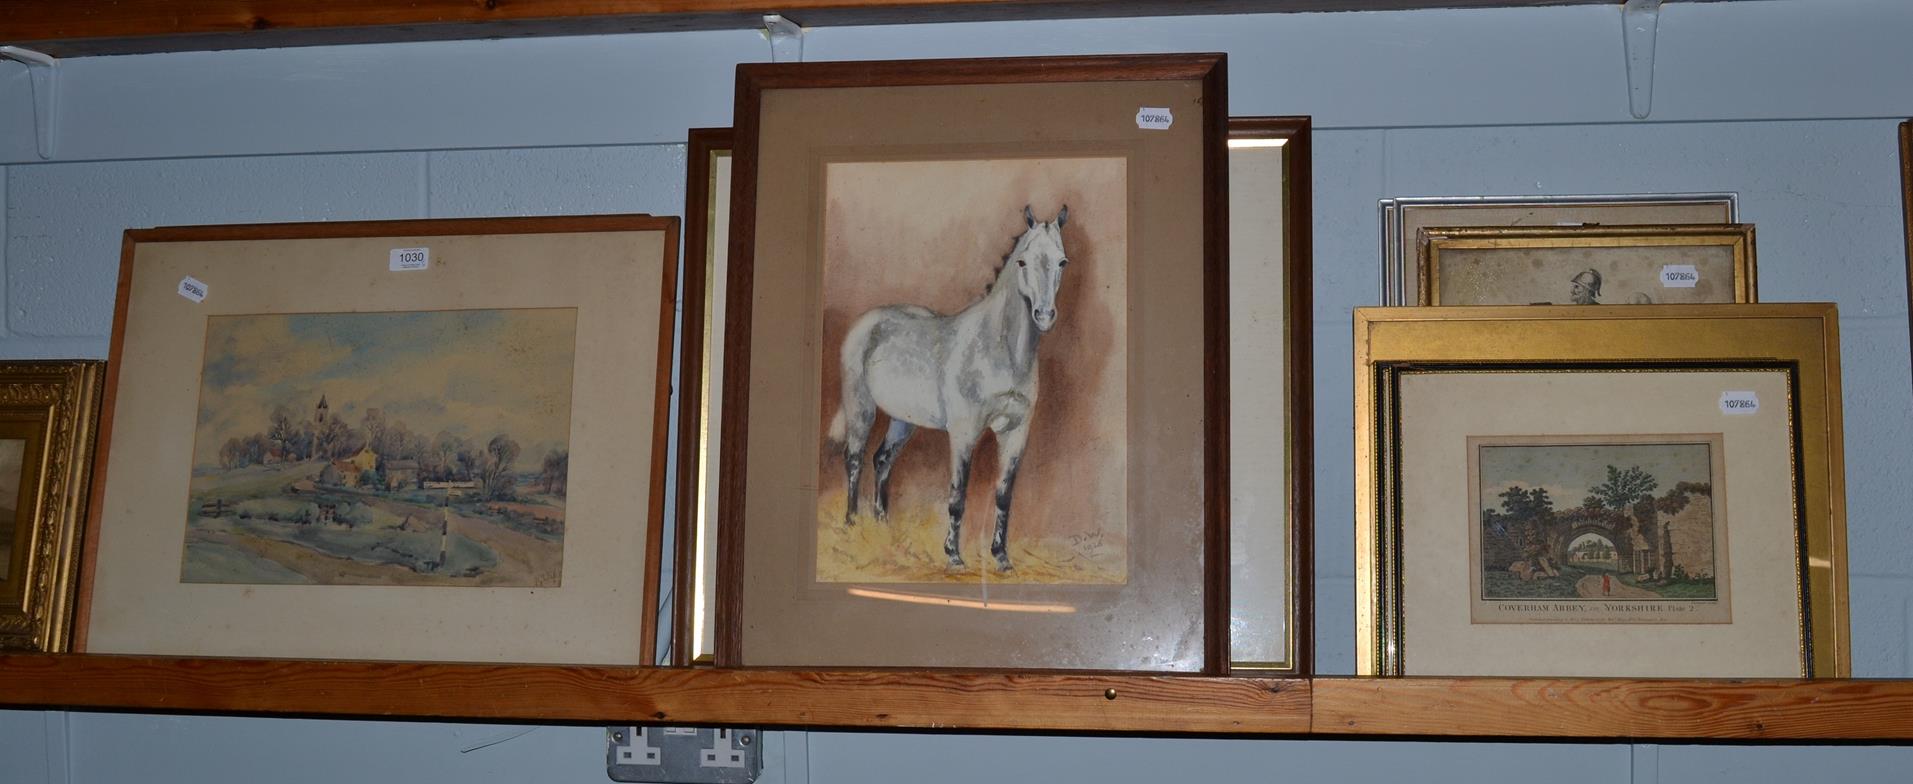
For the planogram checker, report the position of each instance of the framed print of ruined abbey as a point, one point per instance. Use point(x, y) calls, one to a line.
point(964, 425)
point(1609, 491)
point(428, 440)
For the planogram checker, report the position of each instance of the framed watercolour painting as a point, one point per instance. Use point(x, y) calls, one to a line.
point(434, 440)
point(893, 489)
point(1600, 491)
point(1404, 218)
point(1587, 265)
point(1269, 626)
point(48, 414)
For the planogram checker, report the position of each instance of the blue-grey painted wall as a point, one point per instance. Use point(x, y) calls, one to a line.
point(1790, 103)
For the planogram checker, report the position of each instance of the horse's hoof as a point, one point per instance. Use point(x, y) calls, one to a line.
point(1003, 565)
point(956, 562)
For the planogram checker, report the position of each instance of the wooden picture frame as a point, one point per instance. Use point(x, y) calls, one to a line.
point(1271, 314)
point(1906, 205)
point(48, 414)
point(1404, 217)
point(889, 139)
point(1271, 620)
point(1569, 265)
point(1718, 525)
point(405, 514)
point(707, 215)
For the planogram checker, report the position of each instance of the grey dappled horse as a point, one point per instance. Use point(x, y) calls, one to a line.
point(960, 373)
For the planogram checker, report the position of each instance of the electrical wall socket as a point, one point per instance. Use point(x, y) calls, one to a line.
point(683, 755)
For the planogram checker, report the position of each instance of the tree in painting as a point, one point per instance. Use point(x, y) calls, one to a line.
point(427, 488)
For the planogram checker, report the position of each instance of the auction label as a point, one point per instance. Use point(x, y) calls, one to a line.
point(1739, 403)
point(1150, 118)
point(191, 288)
point(406, 259)
point(1679, 276)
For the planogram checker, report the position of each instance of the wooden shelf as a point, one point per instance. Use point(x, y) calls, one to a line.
point(1874, 710)
point(69, 28)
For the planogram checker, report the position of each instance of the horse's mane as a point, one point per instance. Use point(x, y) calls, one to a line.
point(1003, 262)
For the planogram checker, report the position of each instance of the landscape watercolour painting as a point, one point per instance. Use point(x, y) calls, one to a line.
point(974, 372)
point(1599, 529)
point(407, 449)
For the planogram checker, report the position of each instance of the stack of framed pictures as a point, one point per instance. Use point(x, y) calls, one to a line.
point(1642, 479)
point(432, 440)
point(1404, 219)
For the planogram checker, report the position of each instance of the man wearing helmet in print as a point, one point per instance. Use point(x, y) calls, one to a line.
point(1585, 287)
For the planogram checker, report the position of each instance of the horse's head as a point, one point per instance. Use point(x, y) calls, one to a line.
point(1039, 261)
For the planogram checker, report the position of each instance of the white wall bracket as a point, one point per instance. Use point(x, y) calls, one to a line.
point(43, 75)
point(786, 37)
point(1639, 21)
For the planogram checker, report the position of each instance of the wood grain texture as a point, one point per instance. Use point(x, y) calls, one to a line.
point(69, 28)
point(865, 699)
point(1613, 708)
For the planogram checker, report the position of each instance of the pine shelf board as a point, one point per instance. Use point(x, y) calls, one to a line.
point(1329, 707)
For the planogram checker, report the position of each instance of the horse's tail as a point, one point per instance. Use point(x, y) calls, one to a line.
point(836, 434)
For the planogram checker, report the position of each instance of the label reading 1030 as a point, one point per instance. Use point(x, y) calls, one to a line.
point(404, 259)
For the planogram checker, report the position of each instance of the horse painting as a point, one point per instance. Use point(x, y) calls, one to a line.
point(963, 373)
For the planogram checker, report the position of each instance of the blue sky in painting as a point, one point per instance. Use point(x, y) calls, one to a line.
point(475, 373)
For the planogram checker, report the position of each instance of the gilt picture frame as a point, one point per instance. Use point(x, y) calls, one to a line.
point(824, 560)
point(49, 411)
point(407, 440)
point(1404, 217)
point(1270, 627)
point(1586, 265)
point(1558, 483)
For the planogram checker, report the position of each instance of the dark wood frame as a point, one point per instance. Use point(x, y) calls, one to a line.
point(1298, 377)
point(703, 142)
point(1906, 206)
point(362, 229)
point(754, 78)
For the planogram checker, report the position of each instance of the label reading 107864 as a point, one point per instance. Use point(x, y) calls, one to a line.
point(404, 259)
point(1679, 276)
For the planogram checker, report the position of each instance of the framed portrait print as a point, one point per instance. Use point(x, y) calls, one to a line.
point(1600, 491)
point(1404, 218)
point(1587, 265)
point(1269, 290)
point(48, 414)
point(358, 441)
point(964, 425)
